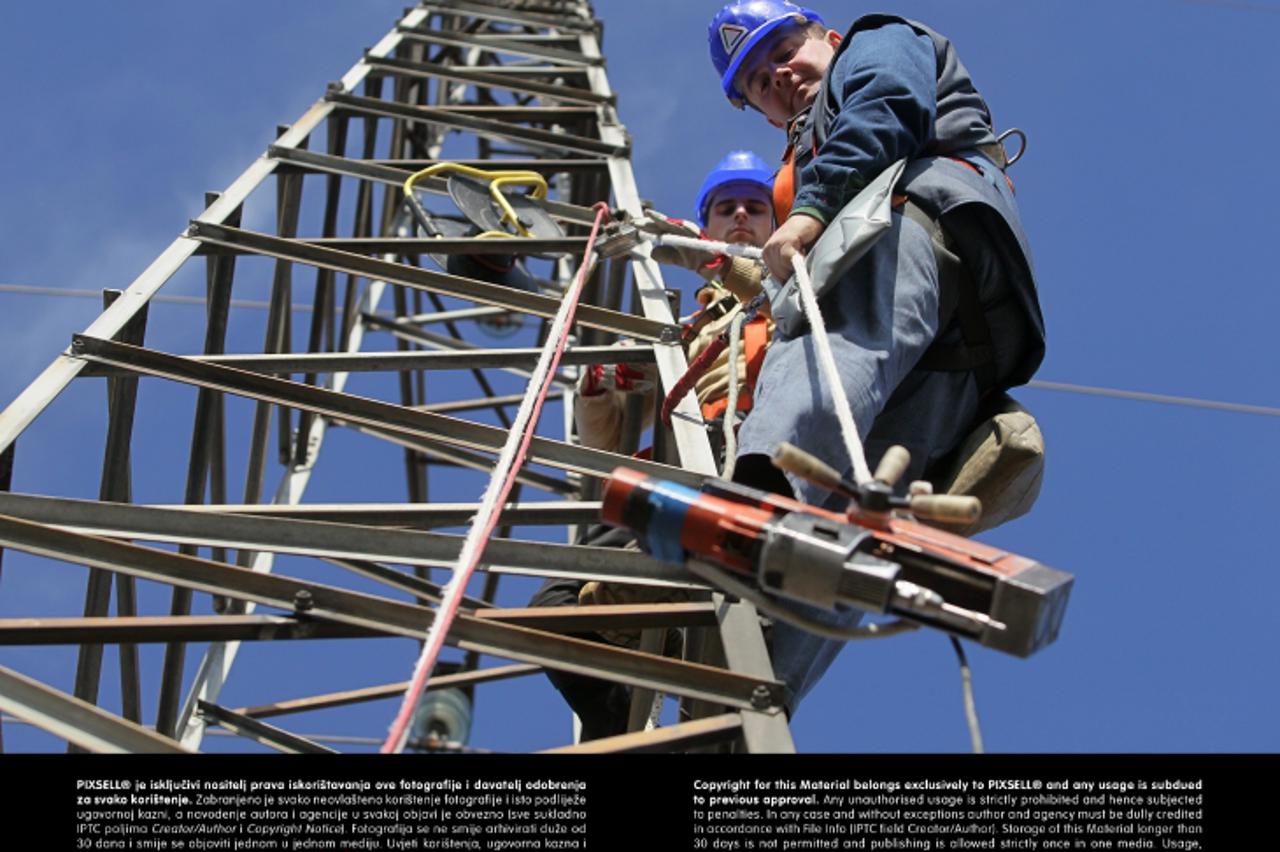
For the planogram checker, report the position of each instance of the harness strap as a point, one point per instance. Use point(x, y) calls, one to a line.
point(784, 186)
point(957, 302)
point(755, 338)
point(685, 383)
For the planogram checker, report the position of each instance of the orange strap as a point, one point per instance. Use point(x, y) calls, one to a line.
point(971, 167)
point(755, 339)
point(784, 187)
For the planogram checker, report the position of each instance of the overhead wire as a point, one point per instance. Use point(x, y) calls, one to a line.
point(970, 704)
point(1038, 384)
point(1236, 5)
point(1141, 396)
point(200, 301)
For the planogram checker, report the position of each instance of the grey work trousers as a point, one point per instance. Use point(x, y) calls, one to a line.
point(881, 318)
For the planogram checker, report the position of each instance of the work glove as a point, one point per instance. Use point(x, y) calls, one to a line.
point(706, 265)
point(599, 378)
point(603, 391)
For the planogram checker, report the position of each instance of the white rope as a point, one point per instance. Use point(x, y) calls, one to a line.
point(731, 411)
point(827, 363)
point(709, 246)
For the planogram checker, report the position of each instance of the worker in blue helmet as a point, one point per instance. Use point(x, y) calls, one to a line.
point(739, 27)
point(736, 167)
point(929, 321)
point(733, 205)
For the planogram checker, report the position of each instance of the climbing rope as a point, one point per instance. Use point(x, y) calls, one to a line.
point(509, 463)
point(731, 410)
point(827, 363)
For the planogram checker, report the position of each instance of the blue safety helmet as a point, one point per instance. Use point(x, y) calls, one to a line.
point(735, 167)
point(739, 27)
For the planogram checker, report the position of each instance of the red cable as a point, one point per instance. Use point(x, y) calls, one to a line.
point(449, 606)
point(696, 370)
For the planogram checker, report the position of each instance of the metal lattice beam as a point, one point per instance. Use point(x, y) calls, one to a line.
point(498, 83)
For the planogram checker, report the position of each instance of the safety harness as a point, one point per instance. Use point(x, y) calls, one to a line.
point(957, 292)
point(755, 339)
point(701, 364)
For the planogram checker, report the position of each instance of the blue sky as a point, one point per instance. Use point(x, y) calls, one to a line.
point(1145, 191)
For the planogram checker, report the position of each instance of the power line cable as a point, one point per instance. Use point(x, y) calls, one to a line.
point(1062, 387)
point(1237, 5)
point(970, 703)
point(29, 290)
point(1141, 396)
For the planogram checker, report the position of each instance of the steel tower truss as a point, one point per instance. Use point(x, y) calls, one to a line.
point(509, 84)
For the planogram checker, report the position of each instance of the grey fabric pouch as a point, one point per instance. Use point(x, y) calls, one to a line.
point(846, 239)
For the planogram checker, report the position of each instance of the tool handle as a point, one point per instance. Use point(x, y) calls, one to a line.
point(792, 459)
point(895, 462)
point(948, 508)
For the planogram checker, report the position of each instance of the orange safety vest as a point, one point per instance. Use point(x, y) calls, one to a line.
point(784, 186)
point(755, 339)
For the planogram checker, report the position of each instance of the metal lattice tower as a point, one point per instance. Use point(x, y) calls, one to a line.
point(509, 84)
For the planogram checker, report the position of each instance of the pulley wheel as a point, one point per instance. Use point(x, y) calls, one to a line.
point(476, 203)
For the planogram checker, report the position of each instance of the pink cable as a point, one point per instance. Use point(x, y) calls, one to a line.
point(452, 595)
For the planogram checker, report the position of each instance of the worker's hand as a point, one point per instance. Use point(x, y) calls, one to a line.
point(598, 378)
point(794, 236)
point(661, 223)
point(706, 265)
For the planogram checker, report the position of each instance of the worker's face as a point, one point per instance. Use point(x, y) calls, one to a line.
point(782, 74)
point(740, 213)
